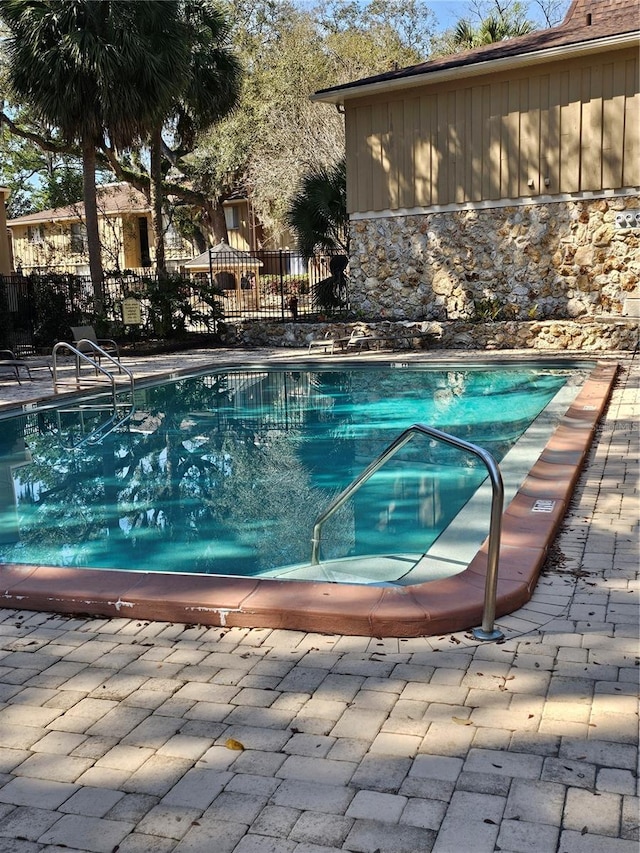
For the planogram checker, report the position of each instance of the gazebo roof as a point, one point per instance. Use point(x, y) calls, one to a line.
point(225, 254)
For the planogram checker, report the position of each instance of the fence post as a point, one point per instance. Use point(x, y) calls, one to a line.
point(31, 311)
point(282, 299)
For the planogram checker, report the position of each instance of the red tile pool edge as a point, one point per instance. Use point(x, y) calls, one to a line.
point(452, 604)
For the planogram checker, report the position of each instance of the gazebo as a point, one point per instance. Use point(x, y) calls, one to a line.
point(234, 271)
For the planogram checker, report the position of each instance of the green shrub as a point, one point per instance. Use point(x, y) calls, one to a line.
point(493, 309)
point(175, 302)
point(52, 297)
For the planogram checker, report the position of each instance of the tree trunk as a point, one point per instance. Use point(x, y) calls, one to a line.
point(156, 200)
point(91, 224)
point(201, 240)
point(217, 223)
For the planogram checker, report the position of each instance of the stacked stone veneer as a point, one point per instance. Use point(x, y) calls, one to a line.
point(561, 260)
point(563, 275)
point(585, 335)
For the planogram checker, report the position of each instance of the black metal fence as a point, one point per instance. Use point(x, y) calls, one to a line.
point(37, 307)
point(275, 284)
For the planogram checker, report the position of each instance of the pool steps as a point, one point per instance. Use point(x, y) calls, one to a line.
point(458, 543)
point(87, 351)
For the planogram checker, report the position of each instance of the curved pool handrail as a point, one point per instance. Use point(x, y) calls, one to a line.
point(81, 355)
point(487, 631)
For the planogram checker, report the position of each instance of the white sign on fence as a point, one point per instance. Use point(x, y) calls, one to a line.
point(131, 312)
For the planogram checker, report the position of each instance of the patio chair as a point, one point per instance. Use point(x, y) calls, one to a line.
point(87, 333)
point(9, 362)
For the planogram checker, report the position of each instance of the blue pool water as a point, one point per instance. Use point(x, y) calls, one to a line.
point(225, 472)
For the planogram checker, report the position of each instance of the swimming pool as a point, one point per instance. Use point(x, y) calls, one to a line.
point(225, 472)
point(143, 499)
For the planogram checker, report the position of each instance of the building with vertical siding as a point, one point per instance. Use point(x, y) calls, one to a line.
point(506, 175)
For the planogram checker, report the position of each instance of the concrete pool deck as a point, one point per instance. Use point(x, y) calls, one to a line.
point(529, 525)
point(126, 734)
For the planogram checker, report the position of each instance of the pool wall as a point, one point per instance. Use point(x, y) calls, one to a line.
point(529, 526)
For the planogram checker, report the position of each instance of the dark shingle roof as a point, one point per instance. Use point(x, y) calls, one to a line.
point(112, 198)
point(586, 20)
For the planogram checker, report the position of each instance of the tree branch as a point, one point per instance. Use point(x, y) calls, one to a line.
point(46, 143)
point(142, 182)
point(137, 179)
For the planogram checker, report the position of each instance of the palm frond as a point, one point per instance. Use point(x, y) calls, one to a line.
point(317, 213)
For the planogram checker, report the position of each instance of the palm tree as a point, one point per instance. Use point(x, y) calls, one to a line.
point(464, 36)
point(210, 90)
point(317, 213)
point(494, 28)
point(318, 217)
point(96, 69)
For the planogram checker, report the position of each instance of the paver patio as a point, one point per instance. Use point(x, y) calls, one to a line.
point(125, 735)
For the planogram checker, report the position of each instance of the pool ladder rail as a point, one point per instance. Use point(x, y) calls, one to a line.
point(487, 631)
point(89, 353)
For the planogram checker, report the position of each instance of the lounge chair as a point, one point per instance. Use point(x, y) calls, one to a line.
point(326, 343)
point(359, 339)
point(412, 335)
point(87, 333)
point(8, 361)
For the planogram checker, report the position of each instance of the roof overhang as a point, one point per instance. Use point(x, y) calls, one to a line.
point(22, 221)
point(341, 94)
point(43, 219)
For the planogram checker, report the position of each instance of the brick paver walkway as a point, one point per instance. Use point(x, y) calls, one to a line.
point(120, 735)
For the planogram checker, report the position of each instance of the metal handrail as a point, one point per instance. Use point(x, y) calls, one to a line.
point(114, 421)
point(82, 356)
point(487, 631)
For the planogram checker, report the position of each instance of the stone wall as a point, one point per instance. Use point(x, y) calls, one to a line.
point(564, 260)
point(586, 335)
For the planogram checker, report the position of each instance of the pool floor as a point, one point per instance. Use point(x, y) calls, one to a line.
point(529, 526)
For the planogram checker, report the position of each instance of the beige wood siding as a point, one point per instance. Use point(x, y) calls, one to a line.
point(563, 128)
point(49, 244)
